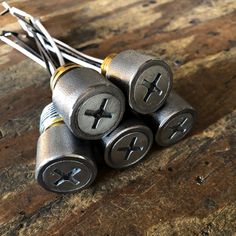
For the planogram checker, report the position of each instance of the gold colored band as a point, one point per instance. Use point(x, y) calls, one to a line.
point(56, 122)
point(59, 72)
point(106, 63)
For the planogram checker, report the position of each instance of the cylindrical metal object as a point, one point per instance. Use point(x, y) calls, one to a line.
point(146, 80)
point(90, 105)
point(64, 164)
point(127, 144)
point(173, 121)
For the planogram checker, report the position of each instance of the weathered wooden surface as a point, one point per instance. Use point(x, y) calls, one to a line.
point(186, 189)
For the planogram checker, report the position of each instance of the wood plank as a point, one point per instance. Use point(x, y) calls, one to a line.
point(186, 189)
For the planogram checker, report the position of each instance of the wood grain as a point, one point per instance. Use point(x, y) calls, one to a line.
point(186, 189)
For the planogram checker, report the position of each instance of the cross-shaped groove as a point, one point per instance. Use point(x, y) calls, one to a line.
point(69, 176)
point(152, 87)
point(130, 149)
point(99, 114)
point(178, 128)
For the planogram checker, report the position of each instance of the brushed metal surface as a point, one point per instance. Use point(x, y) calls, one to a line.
point(127, 144)
point(82, 89)
point(173, 121)
point(147, 81)
point(64, 163)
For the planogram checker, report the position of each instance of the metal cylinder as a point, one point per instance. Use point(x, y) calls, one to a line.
point(64, 164)
point(173, 121)
point(90, 105)
point(127, 144)
point(146, 80)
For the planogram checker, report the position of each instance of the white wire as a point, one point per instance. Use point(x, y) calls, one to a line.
point(39, 25)
point(40, 38)
point(76, 60)
point(51, 40)
point(71, 53)
point(77, 52)
point(51, 66)
point(14, 10)
point(23, 51)
point(69, 57)
point(25, 28)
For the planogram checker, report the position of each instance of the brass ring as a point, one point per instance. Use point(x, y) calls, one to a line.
point(55, 122)
point(106, 63)
point(59, 72)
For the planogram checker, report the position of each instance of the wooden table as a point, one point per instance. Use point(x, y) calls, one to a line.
point(186, 189)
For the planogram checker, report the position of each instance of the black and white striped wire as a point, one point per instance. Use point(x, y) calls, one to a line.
point(35, 29)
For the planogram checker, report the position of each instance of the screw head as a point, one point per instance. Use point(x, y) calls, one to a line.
point(127, 148)
point(99, 114)
point(66, 175)
point(151, 86)
point(175, 129)
point(79, 99)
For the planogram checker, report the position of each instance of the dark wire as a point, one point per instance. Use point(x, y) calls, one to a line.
point(35, 30)
point(45, 55)
point(43, 51)
point(19, 41)
point(16, 39)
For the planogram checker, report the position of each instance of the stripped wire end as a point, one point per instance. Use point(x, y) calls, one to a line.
point(7, 33)
point(6, 10)
point(14, 40)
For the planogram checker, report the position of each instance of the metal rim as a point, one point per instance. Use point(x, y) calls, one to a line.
point(99, 89)
point(137, 128)
point(148, 64)
point(166, 121)
point(71, 157)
